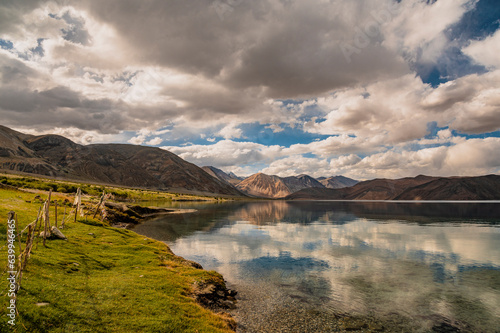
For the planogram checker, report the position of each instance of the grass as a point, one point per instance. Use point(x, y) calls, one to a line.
point(119, 193)
point(101, 279)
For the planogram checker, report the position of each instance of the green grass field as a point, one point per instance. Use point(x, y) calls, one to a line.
point(101, 279)
point(119, 193)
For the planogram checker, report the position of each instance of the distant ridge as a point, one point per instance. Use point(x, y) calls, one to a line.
point(229, 178)
point(113, 164)
point(267, 186)
point(417, 188)
point(337, 182)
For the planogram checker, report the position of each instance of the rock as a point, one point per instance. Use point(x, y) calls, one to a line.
point(42, 234)
point(227, 304)
point(57, 233)
point(208, 290)
point(214, 296)
point(376, 327)
point(232, 293)
point(193, 264)
point(355, 326)
point(445, 328)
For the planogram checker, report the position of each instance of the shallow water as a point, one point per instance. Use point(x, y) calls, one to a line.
point(334, 266)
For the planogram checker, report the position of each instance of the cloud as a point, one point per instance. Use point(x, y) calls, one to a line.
point(294, 165)
point(467, 158)
point(399, 110)
point(155, 141)
point(338, 145)
point(419, 26)
point(442, 156)
point(182, 62)
point(486, 51)
point(137, 140)
point(230, 131)
point(344, 73)
point(227, 153)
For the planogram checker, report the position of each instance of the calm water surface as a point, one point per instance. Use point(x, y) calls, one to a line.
point(330, 266)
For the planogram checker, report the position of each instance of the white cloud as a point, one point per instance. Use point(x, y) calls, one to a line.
point(471, 157)
point(227, 153)
point(486, 51)
point(137, 140)
point(419, 27)
point(339, 145)
point(155, 141)
point(230, 131)
point(399, 110)
point(454, 156)
point(294, 165)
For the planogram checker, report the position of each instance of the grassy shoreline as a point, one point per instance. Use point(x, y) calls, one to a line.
point(103, 279)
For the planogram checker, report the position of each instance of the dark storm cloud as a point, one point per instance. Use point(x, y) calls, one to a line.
point(15, 72)
point(59, 107)
point(11, 10)
point(290, 48)
point(187, 35)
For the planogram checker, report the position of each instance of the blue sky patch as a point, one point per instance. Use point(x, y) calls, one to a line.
point(6, 44)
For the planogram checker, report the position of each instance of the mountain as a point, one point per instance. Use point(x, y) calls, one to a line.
point(114, 164)
point(337, 182)
point(262, 185)
point(267, 186)
point(297, 183)
point(456, 188)
point(418, 188)
point(16, 155)
point(230, 178)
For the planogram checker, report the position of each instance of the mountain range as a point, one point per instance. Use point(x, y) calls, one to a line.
point(113, 164)
point(337, 182)
point(155, 168)
point(230, 178)
point(417, 188)
point(271, 186)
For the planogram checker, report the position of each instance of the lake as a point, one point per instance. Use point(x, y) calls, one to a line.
point(348, 266)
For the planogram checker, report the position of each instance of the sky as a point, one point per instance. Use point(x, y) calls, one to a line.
point(365, 89)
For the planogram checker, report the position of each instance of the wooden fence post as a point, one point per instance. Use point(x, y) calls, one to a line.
point(46, 217)
point(78, 201)
point(55, 203)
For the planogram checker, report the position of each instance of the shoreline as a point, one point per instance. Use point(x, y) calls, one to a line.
point(96, 277)
point(213, 295)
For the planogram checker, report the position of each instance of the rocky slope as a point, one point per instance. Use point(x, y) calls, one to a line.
point(297, 183)
point(418, 188)
point(337, 182)
point(262, 185)
point(267, 186)
point(230, 178)
point(115, 164)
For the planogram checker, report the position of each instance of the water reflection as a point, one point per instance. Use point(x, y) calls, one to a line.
point(416, 266)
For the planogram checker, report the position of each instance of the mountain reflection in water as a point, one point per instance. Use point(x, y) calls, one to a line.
point(410, 266)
